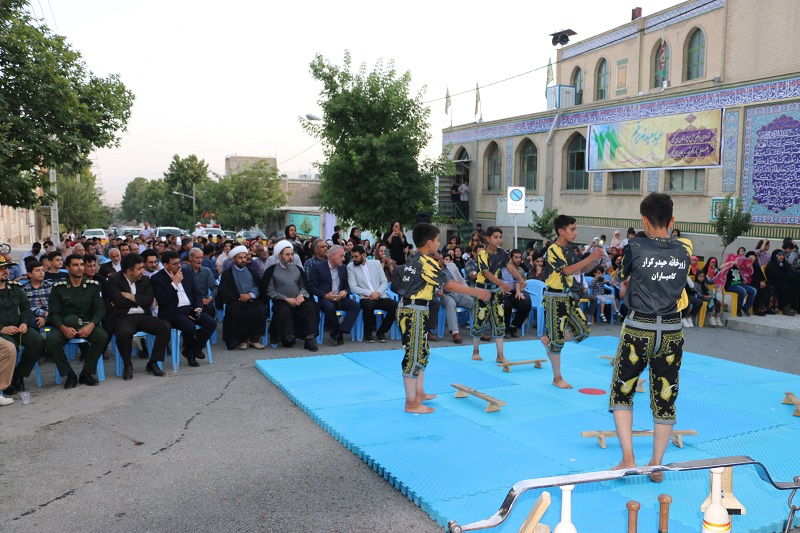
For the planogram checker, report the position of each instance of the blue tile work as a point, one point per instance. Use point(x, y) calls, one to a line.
point(652, 180)
point(774, 190)
point(734, 97)
point(509, 162)
point(730, 155)
point(597, 182)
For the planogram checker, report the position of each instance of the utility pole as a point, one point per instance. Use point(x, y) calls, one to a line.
point(54, 225)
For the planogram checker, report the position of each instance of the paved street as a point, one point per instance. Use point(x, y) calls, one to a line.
point(219, 448)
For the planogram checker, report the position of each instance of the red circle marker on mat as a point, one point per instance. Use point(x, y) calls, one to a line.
point(595, 392)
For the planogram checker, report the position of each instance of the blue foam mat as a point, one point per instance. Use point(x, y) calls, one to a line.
point(459, 462)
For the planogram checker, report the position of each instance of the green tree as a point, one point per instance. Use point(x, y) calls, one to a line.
point(247, 198)
point(543, 224)
point(373, 133)
point(53, 111)
point(306, 227)
point(181, 176)
point(136, 200)
point(80, 202)
point(732, 223)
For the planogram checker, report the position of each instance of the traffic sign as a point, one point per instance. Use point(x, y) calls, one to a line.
point(516, 200)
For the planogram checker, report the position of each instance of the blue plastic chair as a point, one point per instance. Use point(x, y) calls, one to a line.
point(535, 288)
point(443, 318)
point(380, 315)
point(175, 344)
point(353, 334)
point(149, 340)
point(35, 367)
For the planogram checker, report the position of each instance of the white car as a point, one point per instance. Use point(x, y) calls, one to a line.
point(163, 231)
point(96, 232)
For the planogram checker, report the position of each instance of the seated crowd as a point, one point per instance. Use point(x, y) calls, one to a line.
point(98, 294)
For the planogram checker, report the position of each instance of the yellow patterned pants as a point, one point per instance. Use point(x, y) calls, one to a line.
point(413, 322)
point(662, 350)
point(561, 312)
point(491, 314)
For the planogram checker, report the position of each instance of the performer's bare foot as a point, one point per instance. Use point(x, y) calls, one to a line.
point(476, 356)
point(624, 465)
point(561, 384)
point(426, 397)
point(656, 477)
point(418, 408)
point(501, 359)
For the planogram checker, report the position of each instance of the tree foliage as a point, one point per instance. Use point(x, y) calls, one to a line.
point(732, 223)
point(373, 132)
point(176, 210)
point(53, 111)
point(79, 202)
point(543, 225)
point(246, 199)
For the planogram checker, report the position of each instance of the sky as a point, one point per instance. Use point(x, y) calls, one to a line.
point(221, 78)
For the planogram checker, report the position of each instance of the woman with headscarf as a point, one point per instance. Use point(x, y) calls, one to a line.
point(616, 240)
point(759, 283)
point(783, 280)
point(734, 275)
point(297, 245)
point(762, 252)
point(693, 268)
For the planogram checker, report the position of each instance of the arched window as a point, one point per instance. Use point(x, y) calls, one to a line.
point(602, 80)
point(577, 81)
point(577, 177)
point(660, 64)
point(528, 166)
point(696, 56)
point(494, 168)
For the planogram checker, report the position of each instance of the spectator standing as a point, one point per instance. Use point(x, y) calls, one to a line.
point(396, 241)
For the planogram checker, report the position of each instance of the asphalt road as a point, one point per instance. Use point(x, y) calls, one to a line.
point(218, 448)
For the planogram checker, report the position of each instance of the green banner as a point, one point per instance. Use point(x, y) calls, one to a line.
point(688, 140)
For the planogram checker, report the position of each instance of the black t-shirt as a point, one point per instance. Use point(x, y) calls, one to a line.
point(397, 248)
point(656, 270)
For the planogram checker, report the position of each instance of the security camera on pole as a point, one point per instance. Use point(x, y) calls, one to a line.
point(515, 204)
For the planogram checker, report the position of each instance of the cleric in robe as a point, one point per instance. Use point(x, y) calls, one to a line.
point(240, 289)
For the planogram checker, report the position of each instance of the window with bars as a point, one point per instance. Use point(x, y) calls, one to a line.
point(494, 168)
point(577, 177)
point(625, 181)
point(687, 180)
point(528, 166)
point(602, 81)
point(696, 56)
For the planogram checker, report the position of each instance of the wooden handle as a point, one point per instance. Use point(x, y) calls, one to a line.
point(633, 515)
point(663, 516)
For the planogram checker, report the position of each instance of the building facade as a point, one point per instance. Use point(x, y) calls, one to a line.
point(719, 56)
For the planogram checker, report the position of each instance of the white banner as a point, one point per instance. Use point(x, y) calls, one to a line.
point(533, 204)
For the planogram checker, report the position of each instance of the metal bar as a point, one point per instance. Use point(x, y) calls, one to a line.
point(608, 475)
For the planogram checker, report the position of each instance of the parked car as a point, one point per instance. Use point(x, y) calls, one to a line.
point(230, 235)
point(214, 234)
point(248, 236)
point(129, 230)
point(163, 231)
point(96, 232)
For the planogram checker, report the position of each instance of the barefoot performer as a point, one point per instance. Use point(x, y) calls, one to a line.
point(653, 275)
point(561, 311)
point(421, 276)
point(491, 261)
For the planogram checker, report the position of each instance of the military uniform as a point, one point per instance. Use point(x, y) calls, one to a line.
point(15, 310)
point(75, 307)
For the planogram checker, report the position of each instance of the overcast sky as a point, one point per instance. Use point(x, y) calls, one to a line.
point(218, 78)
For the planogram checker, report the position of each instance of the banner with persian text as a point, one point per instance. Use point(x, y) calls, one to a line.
point(688, 140)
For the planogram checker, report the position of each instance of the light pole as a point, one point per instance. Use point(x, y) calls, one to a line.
point(188, 196)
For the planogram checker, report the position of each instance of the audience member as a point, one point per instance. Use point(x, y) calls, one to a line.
point(784, 282)
point(328, 282)
point(396, 241)
point(515, 299)
point(241, 291)
point(366, 279)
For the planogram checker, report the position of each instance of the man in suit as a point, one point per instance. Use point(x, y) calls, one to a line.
point(366, 278)
point(115, 265)
point(328, 282)
point(181, 304)
point(130, 300)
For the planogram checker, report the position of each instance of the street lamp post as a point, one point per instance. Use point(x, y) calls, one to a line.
point(192, 196)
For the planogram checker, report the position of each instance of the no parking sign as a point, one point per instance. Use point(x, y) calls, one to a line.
point(515, 200)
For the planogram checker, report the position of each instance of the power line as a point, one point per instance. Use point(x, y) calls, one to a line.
point(301, 153)
point(54, 16)
point(469, 91)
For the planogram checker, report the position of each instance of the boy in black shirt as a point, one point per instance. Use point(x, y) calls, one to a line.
point(420, 277)
point(653, 275)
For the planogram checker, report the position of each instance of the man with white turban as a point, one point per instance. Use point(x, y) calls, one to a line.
point(294, 312)
point(242, 292)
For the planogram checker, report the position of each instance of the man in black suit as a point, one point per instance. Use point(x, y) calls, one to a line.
point(115, 265)
point(328, 282)
point(181, 304)
point(130, 309)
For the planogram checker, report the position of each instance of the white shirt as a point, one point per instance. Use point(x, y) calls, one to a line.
point(117, 267)
point(365, 271)
point(464, 190)
point(134, 310)
point(183, 300)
